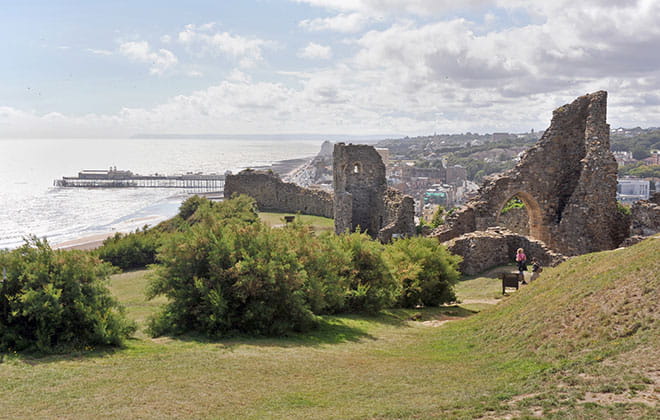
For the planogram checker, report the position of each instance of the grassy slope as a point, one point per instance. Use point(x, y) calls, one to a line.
point(581, 342)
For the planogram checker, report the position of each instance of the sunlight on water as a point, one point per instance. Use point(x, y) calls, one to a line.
point(29, 204)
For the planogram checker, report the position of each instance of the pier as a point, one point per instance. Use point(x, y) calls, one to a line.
point(114, 178)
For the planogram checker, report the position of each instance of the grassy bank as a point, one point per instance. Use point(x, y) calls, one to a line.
point(580, 342)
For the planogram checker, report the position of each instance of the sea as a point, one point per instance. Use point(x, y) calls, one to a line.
point(30, 204)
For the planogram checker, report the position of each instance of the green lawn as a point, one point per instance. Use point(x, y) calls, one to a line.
point(319, 224)
point(579, 343)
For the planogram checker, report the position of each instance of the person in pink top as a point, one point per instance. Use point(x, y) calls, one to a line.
point(521, 259)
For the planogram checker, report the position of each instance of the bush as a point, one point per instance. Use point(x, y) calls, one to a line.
point(129, 251)
point(55, 301)
point(425, 270)
point(345, 273)
point(513, 203)
point(369, 284)
point(230, 274)
point(138, 249)
point(230, 277)
point(438, 217)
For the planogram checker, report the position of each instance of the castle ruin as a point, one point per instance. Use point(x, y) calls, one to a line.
point(567, 182)
point(362, 198)
point(272, 194)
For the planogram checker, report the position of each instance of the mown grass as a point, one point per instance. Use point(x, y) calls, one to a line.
point(581, 342)
point(319, 224)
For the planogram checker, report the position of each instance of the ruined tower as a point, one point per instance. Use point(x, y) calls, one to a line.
point(362, 198)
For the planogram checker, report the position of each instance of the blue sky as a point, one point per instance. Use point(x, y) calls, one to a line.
point(360, 67)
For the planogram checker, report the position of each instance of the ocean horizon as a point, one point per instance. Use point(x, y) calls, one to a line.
point(33, 206)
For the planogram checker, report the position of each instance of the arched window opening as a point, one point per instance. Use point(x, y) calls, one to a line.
point(521, 214)
point(514, 216)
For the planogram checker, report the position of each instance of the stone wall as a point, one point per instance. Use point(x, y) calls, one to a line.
point(272, 194)
point(567, 182)
point(362, 198)
point(497, 246)
point(400, 215)
point(645, 215)
point(516, 220)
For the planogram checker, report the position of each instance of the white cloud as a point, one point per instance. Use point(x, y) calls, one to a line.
point(316, 51)
point(159, 61)
point(414, 77)
point(247, 51)
point(99, 52)
point(346, 23)
point(395, 7)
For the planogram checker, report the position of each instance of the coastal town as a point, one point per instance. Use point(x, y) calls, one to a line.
point(447, 170)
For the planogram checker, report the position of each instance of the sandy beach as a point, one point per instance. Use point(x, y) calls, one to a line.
point(85, 243)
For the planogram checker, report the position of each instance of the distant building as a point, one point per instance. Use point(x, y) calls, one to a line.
point(632, 189)
point(654, 159)
point(456, 175)
point(623, 158)
point(500, 136)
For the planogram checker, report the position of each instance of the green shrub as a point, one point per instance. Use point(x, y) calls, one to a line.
point(425, 270)
point(371, 286)
point(129, 251)
point(438, 217)
point(229, 273)
point(55, 301)
point(138, 249)
point(230, 277)
point(345, 273)
point(623, 209)
point(513, 203)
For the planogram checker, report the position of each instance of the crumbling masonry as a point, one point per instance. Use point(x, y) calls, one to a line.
point(362, 197)
point(567, 182)
point(272, 194)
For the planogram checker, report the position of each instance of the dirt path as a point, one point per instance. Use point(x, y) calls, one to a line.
point(486, 301)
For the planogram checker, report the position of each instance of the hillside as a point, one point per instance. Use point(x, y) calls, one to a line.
point(592, 322)
point(580, 342)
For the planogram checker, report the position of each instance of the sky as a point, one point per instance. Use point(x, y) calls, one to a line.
point(81, 68)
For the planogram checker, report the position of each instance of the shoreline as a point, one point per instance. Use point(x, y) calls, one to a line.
point(84, 243)
point(91, 242)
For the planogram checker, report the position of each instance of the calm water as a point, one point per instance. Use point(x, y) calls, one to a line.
point(29, 204)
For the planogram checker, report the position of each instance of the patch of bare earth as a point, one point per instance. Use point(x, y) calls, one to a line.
point(440, 321)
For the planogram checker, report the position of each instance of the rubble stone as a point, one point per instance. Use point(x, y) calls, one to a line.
point(497, 246)
point(645, 216)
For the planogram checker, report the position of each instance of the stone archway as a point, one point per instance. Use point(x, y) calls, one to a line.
point(532, 210)
point(567, 180)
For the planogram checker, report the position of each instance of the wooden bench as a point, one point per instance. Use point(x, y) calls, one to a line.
point(511, 280)
point(289, 219)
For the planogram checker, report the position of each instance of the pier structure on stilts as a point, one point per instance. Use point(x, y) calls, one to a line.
point(114, 178)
